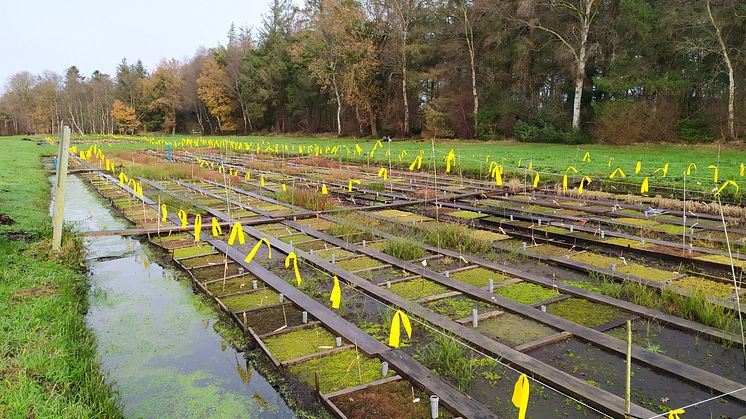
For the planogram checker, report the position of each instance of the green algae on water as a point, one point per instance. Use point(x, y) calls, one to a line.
point(339, 371)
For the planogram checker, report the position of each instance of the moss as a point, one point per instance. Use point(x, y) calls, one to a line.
point(469, 215)
point(390, 400)
point(554, 229)
point(259, 298)
point(185, 252)
point(455, 308)
point(380, 331)
point(671, 229)
point(316, 223)
point(550, 250)
point(339, 371)
point(379, 245)
point(230, 286)
point(363, 262)
point(585, 312)
point(526, 293)
point(417, 288)
point(296, 238)
point(593, 259)
point(697, 284)
point(213, 259)
point(513, 330)
point(640, 222)
point(621, 241)
point(166, 238)
point(479, 277)
point(337, 253)
point(300, 343)
point(722, 259)
point(487, 235)
point(644, 272)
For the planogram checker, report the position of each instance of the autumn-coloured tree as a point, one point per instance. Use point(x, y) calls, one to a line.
point(163, 94)
point(125, 117)
point(213, 92)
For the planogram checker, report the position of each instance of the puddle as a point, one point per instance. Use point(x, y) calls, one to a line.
point(156, 340)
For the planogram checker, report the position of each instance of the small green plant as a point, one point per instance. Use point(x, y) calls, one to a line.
point(349, 232)
point(404, 249)
point(306, 198)
point(448, 358)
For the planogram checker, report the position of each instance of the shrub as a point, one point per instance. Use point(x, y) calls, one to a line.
point(539, 130)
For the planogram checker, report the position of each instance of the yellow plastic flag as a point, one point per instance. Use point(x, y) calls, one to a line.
point(292, 256)
point(261, 181)
point(609, 163)
point(715, 173)
point(638, 166)
point(451, 157)
point(183, 217)
point(336, 296)
point(726, 183)
point(587, 157)
point(221, 169)
point(742, 170)
point(536, 180)
point(399, 319)
point(164, 212)
point(236, 232)
point(519, 162)
point(122, 179)
point(284, 188)
point(108, 165)
point(689, 168)
point(382, 172)
point(530, 164)
point(674, 414)
point(197, 227)
point(350, 183)
point(520, 395)
point(251, 255)
point(358, 149)
point(564, 178)
point(498, 175)
point(416, 162)
point(644, 186)
point(324, 191)
point(248, 176)
point(216, 229)
point(585, 181)
point(617, 171)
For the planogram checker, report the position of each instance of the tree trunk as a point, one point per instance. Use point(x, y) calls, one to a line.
point(339, 106)
point(474, 92)
point(731, 78)
point(580, 68)
point(576, 101)
point(404, 82)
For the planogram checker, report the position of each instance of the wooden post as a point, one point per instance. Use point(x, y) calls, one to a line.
point(59, 196)
point(628, 393)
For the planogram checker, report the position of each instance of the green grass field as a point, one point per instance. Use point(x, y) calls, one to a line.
point(48, 365)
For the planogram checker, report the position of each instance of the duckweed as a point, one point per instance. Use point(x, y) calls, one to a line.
point(417, 288)
point(526, 293)
point(339, 371)
point(585, 312)
point(479, 277)
point(300, 343)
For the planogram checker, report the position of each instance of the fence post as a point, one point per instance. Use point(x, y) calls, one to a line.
point(58, 216)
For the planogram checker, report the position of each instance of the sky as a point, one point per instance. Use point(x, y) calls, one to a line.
point(38, 35)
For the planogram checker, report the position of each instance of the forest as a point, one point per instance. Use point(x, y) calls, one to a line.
point(560, 71)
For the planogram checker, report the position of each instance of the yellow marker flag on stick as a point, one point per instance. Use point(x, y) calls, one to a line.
point(451, 157)
point(674, 414)
point(616, 171)
point(586, 180)
point(164, 212)
point(742, 169)
point(536, 180)
point(350, 183)
point(197, 227)
point(248, 176)
point(417, 161)
point(336, 296)
point(498, 173)
point(399, 319)
point(251, 255)
point(284, 188)
point(726, 183)
point(638, 166)
point(358, 149)
point(644, 186)
point(122, 179)
point(689, 169)
point(292, 256)
point(609, 163)
point(564, 178)
point(382, 172)
point(324, 191)
point(587, 157)
point(236, 232)
point(216, 229)
point(663, 169)
point(715, 173)
point(183, 217)
point(261, 181)
point(520, 395)
point(530, 164)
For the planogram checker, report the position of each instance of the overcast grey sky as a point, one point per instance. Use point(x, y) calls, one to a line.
point(38, 35)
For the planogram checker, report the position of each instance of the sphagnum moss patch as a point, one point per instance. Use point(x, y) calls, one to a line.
point(185, 252)
point(417, 288)
point(584, 312)
point(253, 299)
point(709, 287)
point(300, 343)
point(526, 293)
point(479, 277)
point(339, 371)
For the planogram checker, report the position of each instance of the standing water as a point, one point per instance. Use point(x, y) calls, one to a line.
point(156, 340)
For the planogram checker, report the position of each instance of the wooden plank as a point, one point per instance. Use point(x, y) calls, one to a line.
point(263, 346)
point(308, 325)
point(363, 386)
point(547, 340)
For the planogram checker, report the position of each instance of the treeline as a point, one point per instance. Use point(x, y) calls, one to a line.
point(617, 71)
